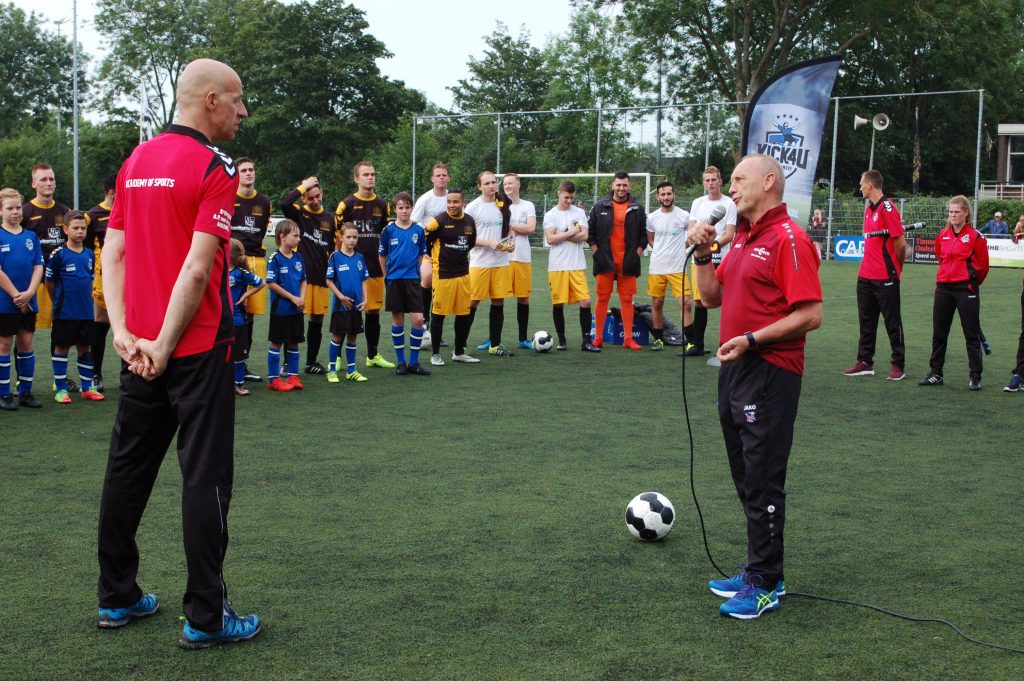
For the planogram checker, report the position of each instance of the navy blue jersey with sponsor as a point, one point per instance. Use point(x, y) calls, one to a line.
point(20, 254)
point(348, 272)
point(239, 280)
point(71, 274)
point(288, 273)
point(402, 248)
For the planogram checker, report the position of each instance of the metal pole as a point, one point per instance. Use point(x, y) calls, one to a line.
point(74, 94)
point(871, 159)
point(597, 160)
point(661, 90)
point(707, 136)
point(414, 122)
point(977, 154)
point(832, 182)
point(497, 163)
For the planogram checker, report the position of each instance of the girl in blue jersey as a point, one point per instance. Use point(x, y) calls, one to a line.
point(346, 277)
point(244, 284)
point(286, 279)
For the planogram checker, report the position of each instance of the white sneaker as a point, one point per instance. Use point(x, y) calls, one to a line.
point(436, 360)
point(464, 358)
point(425, 342)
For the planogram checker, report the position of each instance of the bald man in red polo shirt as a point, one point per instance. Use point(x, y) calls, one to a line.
point(165, 265)
point(770, 295)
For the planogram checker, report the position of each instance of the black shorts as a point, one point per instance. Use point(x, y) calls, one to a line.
point(68, 333)
point(346, 322)
point(286, 329)
point(241, 343)
point(13, 322)
point(404, 295)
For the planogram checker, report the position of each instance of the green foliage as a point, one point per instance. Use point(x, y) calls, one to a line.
point(1011, 210)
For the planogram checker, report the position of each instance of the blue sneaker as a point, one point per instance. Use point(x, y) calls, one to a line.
point(235, 629)
point(525, 345)
point(486, 345)
point(112, 618)
point(751, 602)
point(727, 588)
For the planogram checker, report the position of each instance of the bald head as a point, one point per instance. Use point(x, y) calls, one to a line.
point(757, 185)
point(210, 99)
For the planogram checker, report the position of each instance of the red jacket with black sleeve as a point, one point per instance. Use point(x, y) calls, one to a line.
point(963, 257)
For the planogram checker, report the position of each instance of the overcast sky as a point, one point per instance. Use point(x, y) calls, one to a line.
point(431, 40)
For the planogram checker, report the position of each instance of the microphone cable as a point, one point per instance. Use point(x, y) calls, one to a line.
point(800, 594)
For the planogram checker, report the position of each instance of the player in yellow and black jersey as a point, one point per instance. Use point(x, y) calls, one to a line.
point(249, 225)
point(450, 237)
point(305, 205)
point(44, 216)
point(370, 214)
point(96, 219)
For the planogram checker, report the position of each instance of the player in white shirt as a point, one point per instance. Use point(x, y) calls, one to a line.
point(666, 233)
point(489, 273)
point(523, 223)
point(700, 211)
point(427, 206)
point(565, 231)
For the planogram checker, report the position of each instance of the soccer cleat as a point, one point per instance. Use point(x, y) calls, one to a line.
point(587, 346)
point(486, 345)
point(235, 629)
point(402, 369)
point(62, 397)
point(355, 376)
point(444, 343)
point(860, 369)
point(417, 370)
point(597, 342)
point(974, 384)
point(464, 358)
point(241, 390)
point(1014, 385)
point(425, 340)
point(73, 387)
point(332, 377)
point(7, 403)
point(657, 345)
point(525, 345)
point(295, 383)
point(97, 384)
point(436, 360)
point(378, 361)
point(750, 602)
point(315, 369)
point(279, 385)
point(695, 351)
point(727, 588)
point(93, 395)
point(562, 347)
point(500, 351)
point(896, 374)
point(251, 377)
point(630, 344)
point(931, 379)
point(114, 618)
point(26, 400)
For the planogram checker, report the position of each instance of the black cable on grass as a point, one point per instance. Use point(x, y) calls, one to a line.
point(799, 594)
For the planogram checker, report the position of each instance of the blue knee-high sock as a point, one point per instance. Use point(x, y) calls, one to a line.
point(273, 364)
point(415, 340)
point(85, 371)
point(5, 375)
point(398, 338)
point(240, 373)
point(26, 364)
point(293, 362)
point(60, 371)
point(350, 358)
point(332, 355)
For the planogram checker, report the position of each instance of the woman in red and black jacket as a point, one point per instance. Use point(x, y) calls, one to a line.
point(963, 266)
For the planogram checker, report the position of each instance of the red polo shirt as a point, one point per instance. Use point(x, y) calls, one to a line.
point(881, 215)
point(771, 266)
point(172, 186)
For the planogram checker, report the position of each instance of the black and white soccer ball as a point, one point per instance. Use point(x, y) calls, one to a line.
point(542, 341)
point(650, 516)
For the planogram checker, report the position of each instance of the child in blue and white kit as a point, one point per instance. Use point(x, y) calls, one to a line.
point(243, 284)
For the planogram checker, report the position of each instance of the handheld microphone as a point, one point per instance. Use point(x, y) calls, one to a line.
point(715, 217)
point(906, 228)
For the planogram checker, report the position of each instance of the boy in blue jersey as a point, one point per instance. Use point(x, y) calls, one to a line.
point(69, 282)
point(346, 277)
point(286, 279)
point(21, 271)
point(402, 247)
point(243, 284)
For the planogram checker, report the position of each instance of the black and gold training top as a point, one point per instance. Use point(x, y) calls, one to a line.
point(449, 240)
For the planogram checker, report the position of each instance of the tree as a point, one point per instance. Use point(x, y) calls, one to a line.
point(35, 71)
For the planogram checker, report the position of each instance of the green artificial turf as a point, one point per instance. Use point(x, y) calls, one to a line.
point(469, 525)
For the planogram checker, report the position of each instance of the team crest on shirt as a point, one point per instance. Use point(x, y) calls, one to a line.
point(53, 232)
point(298, 267)
point(28, 244)
point(250, 221)
point(966, 238)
